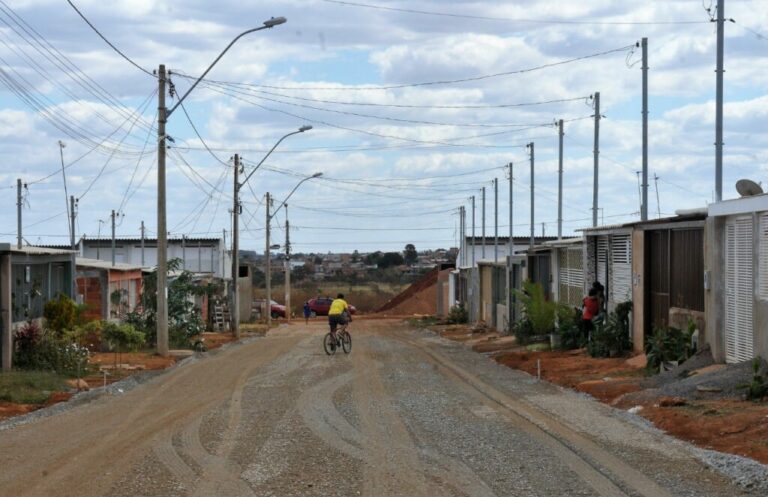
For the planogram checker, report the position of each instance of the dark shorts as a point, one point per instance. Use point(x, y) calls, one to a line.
point(335, 320)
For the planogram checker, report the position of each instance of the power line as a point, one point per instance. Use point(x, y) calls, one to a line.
point(137, 66)
point(429, 83)
point(508, 19)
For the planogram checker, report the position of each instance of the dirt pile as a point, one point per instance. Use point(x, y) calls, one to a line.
point(419, 298)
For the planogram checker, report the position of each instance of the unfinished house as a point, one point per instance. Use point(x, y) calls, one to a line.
point(608, 259)
point(736, 278)
point(108, 291)
point(667, 274)
point(29, 277)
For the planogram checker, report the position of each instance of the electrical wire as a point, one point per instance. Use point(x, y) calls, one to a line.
point(508, 19)
point(429, 83)
point(137, 66)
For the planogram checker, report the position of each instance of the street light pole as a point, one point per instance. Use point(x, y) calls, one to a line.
point(162, 236)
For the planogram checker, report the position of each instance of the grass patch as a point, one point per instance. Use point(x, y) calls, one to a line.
point(423, 322)
point(29, 387)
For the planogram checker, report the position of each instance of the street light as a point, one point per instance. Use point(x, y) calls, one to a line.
point(162, 234)
point(269, 255)
point(235, 314)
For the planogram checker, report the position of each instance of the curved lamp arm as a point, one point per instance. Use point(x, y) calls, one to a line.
point(271, 23)
point(316, 175)
point(300, 130)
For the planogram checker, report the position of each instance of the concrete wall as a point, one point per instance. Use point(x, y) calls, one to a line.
point(6, 326)
point(714, 264)
point(638, 290)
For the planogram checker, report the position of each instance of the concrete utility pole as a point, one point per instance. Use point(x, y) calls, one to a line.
point(64, 178)
point(510, 281)
point(143, 234)
point(473, 231)
point(658, 202)
point(462, 249)
point(223, 253)
point(644, 199)
point(287, 267)
point(533, 205)
point(269, 264)
point(560, 135)
point(18, 213)
point(236, 250)
point(496, 220)
point(719, 101)
point(162, 230)
point(184, 252)
point(596, 153)
point(483, 223)
point(113, 237)
point(72, 215)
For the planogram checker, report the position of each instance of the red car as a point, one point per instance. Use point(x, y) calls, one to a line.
point(277, 310)
point(321, 306)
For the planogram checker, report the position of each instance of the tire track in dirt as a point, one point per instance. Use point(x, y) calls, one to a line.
point(376, 446)
point(93, 439)
point(563, 441)
point(219, 475)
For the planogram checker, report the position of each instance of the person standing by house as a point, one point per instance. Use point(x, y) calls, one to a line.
point(589, 311)
point(600, 295)
point(307, 312)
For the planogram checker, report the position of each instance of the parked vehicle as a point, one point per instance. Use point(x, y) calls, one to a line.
point(321, 306)
point(277, 310)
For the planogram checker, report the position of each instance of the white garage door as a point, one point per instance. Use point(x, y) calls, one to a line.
point(739, 294)
point(621, 269)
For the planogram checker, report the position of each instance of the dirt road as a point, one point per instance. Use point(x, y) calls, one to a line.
point(406, 413)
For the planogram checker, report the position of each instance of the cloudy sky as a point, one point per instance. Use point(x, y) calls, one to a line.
point(415, 106)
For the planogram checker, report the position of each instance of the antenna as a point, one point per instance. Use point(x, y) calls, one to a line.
point(748, 188)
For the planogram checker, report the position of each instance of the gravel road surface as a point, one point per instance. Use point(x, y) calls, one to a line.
point(405, 414)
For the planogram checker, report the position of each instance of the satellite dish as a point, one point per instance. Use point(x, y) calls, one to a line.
point(748, 188)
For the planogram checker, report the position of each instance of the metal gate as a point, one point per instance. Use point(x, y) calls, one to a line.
point(540, 272)
point(658, 279)
point(739, 296)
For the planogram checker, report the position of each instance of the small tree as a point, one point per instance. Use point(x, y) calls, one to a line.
point(60, 314)
point(410, 255)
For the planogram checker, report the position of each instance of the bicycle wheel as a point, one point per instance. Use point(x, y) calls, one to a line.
point(346, 342)
point(329, 344)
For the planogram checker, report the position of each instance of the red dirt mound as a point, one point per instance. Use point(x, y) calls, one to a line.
point(426, 281)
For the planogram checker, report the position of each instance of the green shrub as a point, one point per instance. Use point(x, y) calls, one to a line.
point(523, 330)
point(458, 315)
point(60, 314)
point(611, 337)
point(669, 345)
point(758, 389)
point(26, 340)
point(122, 337)
point(88, 335)
point(37, 350)
point(569, 327)
point(537, 310)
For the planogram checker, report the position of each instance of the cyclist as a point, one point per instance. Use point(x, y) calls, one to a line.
point(339, 313)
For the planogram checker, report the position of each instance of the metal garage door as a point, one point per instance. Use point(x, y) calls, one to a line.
point(570, 275)
point(602, 260)
point(621, 269)
point(739, 295)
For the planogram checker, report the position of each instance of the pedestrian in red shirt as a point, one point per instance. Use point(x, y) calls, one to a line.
point(589, 310)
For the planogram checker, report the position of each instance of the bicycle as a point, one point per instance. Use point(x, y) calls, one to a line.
point(341, 339)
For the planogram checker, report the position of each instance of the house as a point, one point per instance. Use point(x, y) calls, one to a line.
point(29, 277)
point(198, 255)
point(108, 292)
point(667, 274)
point(736, 278)
point(476, 249)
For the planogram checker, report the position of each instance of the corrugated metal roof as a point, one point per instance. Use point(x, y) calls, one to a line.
point(31, 250)
point(99, 264)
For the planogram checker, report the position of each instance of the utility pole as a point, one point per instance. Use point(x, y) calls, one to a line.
point(269, 266)
point(64, 177)
point(719, 101)
point(560, 135)
point(18, 213)
point(510, 276)
point(496, 220)
point(113, 237)
point(596, 153)
point(644, 199)
point(162, 230)
point(533, 205)
point(640, 194)
point(184, 252)
point(223, 253)
point(543, 230)
point(473, 231)
point(658, 203)
point(72, 215)
point(236, 250)
point(287, 267)
point(142, 243)
point(483, 230)
point(462, 248)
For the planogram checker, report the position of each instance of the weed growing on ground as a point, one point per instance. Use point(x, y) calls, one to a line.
point(29, 387)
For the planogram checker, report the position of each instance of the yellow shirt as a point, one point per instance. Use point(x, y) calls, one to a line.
point(337, 307)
